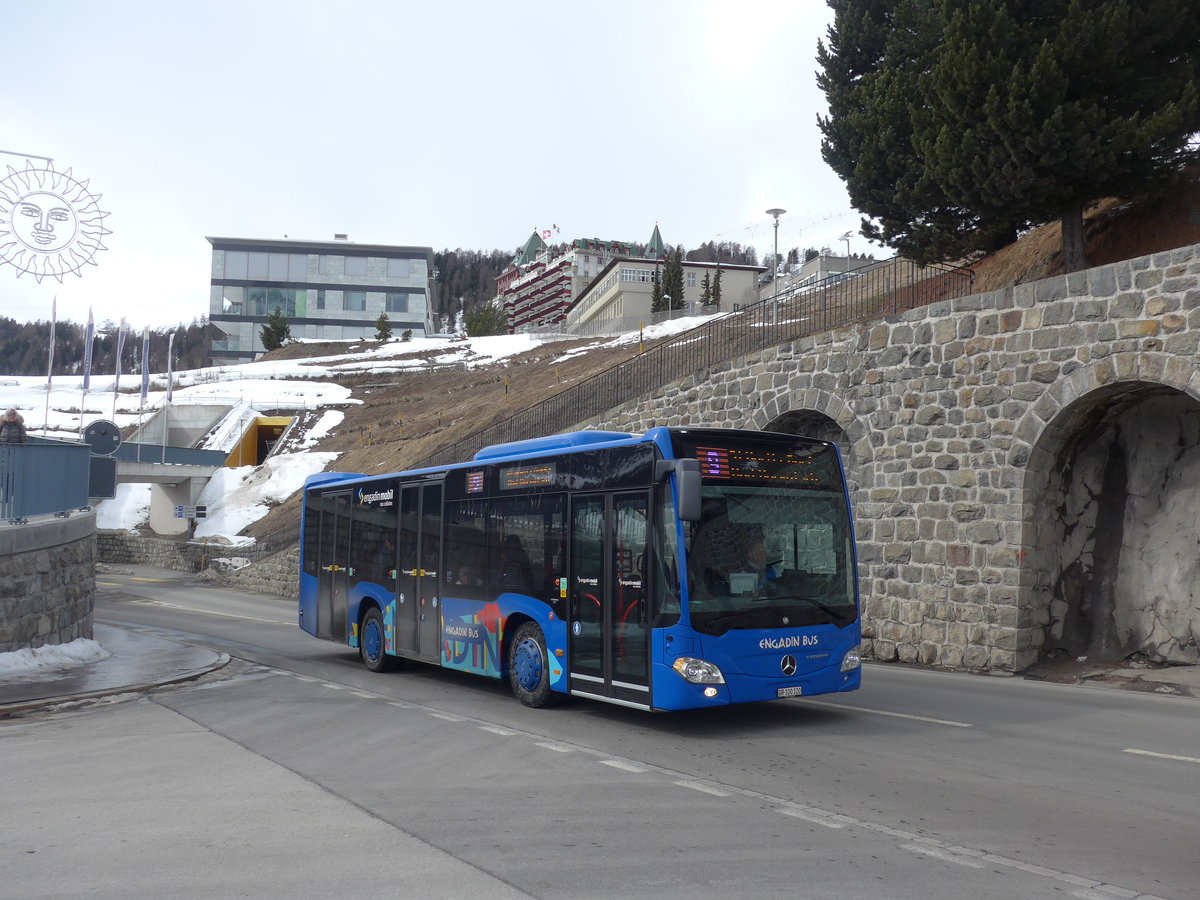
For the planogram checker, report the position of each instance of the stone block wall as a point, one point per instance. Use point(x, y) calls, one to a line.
point(47, 581)
point(277, 574)
point(960, 422)
point(134, 549)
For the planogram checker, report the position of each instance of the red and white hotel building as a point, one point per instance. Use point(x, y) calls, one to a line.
point(540, 285)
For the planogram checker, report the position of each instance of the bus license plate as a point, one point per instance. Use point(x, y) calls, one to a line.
point(790, 691)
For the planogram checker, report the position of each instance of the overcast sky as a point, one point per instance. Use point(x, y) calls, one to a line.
point(457, 123)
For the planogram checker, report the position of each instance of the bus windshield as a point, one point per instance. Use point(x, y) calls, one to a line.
point(773, 546)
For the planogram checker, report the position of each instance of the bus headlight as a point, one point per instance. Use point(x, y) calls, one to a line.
point(697, 671)
point(851, 661)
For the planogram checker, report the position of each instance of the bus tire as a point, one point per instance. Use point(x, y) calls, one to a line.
point(529, 667)
point(370, 643)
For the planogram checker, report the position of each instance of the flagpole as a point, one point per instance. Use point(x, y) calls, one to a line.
point(88, 338)
point(117, 376)
point(145, 385)
point(167, 406)
point(50, 366)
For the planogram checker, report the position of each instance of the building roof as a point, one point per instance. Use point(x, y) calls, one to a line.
point(529, 251)
point(287, 245)
point(656, 248)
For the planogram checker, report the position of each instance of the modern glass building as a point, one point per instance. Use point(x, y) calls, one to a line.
point(328, 291)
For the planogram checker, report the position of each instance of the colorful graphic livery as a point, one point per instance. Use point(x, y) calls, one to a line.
point(682, 568)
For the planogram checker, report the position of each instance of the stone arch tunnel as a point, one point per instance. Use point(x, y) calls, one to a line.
point(1024, 464)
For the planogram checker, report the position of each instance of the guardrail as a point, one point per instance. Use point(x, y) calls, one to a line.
point(178, 456)
point(43, 477)
point(887, 287)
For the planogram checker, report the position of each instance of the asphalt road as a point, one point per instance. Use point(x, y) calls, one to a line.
point(921, 785)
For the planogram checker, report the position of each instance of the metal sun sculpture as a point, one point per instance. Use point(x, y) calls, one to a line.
point(50, 224)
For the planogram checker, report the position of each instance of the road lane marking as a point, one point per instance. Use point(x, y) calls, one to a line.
point(623, 766)
point(810, 814)
point(557, 748)
point(703, 788)
point(1190, 759)
point(446, 717)
point(944, 854)
point(882, 712)
point(496, 729)
point(206, 612)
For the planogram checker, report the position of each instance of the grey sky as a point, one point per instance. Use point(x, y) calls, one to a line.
point(461, 123)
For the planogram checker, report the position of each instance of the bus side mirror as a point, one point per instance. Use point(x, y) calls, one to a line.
point(687, 485)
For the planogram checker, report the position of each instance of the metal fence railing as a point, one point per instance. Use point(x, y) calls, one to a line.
point(43, 477)
point(887, 287)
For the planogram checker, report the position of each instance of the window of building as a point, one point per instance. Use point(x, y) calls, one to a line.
point(356, 300)
point(261, 301)
point(257, 267)
point(356, 265)
point(277, 266)
point(322, 265)
point(691, 279)
point(397, 303)
point(399, 268)
point(643, 276)
point(297, 267)
point(232, 299)
point(321, 298)
point(235, 263)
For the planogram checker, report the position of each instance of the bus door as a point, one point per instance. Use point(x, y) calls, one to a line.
point(608, 593)
point(333, 566)
point(418, 614)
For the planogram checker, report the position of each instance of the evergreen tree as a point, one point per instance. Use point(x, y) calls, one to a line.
point(878, 55)
point(716, 288)
point(486, 318)
point(672, 283)
point(383, 327)
point(276, 332)
point(954, 123)
point(1083, 100)
point(657, 304)
point(706, 290)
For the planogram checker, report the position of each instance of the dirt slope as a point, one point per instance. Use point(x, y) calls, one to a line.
point(406, 417)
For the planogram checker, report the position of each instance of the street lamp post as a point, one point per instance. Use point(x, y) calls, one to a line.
point(775, 283)
point(846, 238)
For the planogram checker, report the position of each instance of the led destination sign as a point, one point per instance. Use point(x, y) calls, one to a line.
point(763, 465)
point(528, 476)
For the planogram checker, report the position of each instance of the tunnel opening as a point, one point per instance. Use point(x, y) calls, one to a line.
point(1118, 527)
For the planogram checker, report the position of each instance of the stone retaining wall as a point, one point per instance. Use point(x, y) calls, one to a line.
point(135, 549)
point(966, 425)
point(47, 581)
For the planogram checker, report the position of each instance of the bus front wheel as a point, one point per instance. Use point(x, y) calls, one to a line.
point(529, 667)
point(370, 643)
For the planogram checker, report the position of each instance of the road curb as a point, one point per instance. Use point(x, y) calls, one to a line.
point(10, 709)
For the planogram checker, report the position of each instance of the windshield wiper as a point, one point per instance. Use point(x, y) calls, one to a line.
point(713, 621)
point(819, 604)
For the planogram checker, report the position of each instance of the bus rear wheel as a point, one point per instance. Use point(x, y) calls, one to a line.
point(370, 643)
point(529, 667)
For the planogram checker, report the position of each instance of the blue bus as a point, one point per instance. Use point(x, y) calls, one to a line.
point(681, 568)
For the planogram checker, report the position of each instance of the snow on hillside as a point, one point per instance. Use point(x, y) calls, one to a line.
point(237, 497)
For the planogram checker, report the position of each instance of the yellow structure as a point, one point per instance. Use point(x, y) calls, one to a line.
point(258, 440)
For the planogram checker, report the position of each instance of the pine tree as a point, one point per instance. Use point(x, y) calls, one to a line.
point(672, 285)
point(1084, 100)
point(383, 328)
point(657, 304)
point(955, 123)
point(276, 332)
point(706, 297)
point(486, 318)
point(716, 288)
